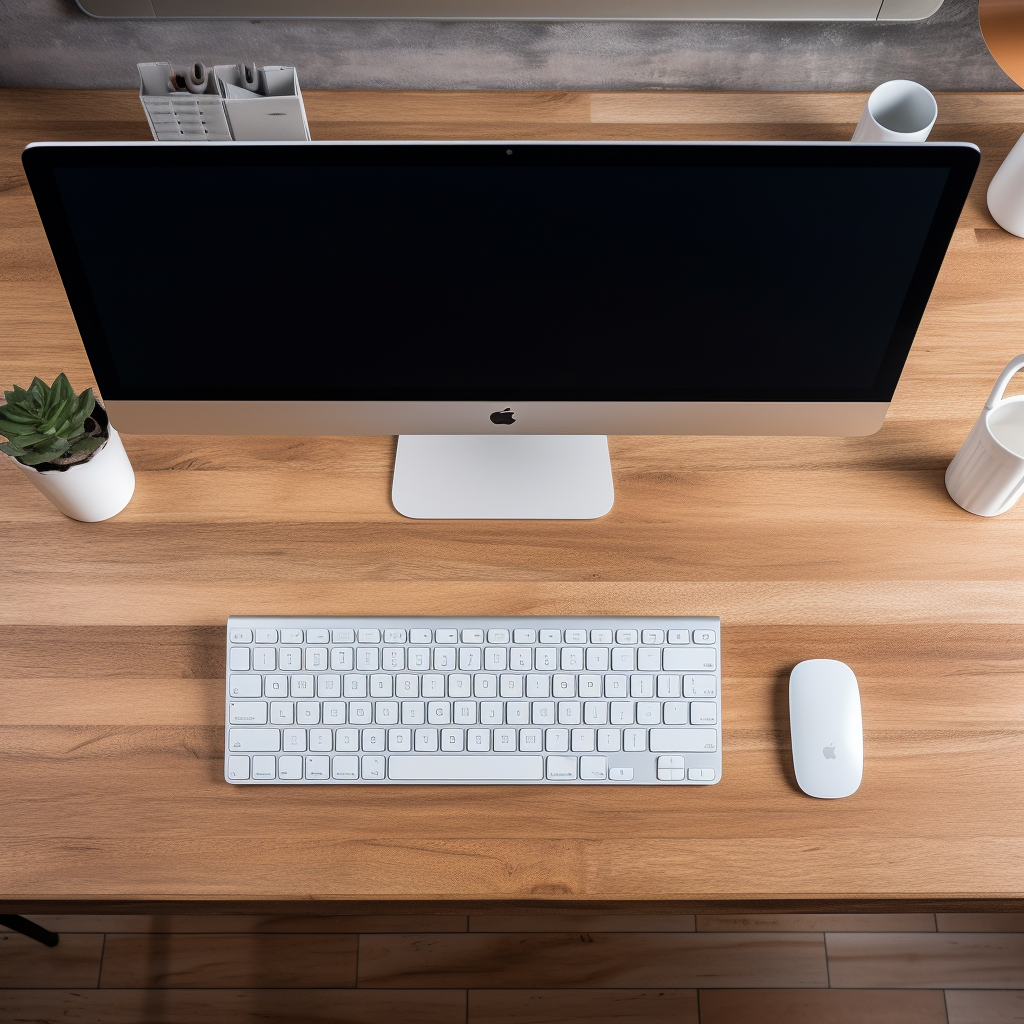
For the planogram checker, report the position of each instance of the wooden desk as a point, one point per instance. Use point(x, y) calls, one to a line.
point(111, 658)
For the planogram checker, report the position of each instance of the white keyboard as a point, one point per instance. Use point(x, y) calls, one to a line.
point(402, 701)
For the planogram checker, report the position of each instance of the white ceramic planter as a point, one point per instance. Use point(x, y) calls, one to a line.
point(92, 491)
point(1006, 191)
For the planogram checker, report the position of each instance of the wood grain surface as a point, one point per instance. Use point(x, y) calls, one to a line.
point(111, 655)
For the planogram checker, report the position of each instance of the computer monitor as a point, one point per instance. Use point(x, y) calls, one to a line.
point(501, 305)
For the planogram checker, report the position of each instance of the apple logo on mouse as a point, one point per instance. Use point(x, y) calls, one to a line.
point(505, 417)
point(829, 752)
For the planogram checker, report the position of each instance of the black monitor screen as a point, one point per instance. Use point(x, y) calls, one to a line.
point(513, 272)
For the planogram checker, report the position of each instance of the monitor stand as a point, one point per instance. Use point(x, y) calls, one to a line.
point(521, 476)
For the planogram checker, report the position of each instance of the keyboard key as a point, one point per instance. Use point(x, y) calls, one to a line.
point(407, 686)
point(550, 636)
point(517, 712)
point(472, 636)
point(594, 769)
point(420, 636)
point(470, 659)
point(394, 636)
point(245, 686)
point(264, 767)
point(701, 774)
point(318, 636)
point(345, 768)
point(510, 686)
point(291, 636)
point(266, 636)
point(392, 659)
point(684, 740)
point(641, 686)
point(321, 739)
point(452, 739)
point(419, 658)
point(497, 636)
point(485, 685)
point(545, 659)
point(307, 712)
point(478, 739)
point(346, 739)
point(678, 636)
point(568, 712)
point(675, 712)
point(503, 740)
point(623, 659)
point(626, 636)
point(524, 636)
point(460, 685)
point(334, 712)
point(432, 685)
point(601, 636)
point(360, 712)
point(689, 659)
point(634, 739)
point(342, 659)
point(238, 767)
point(542, 712)
point(648, 712)
point(652, 636)
point(648, 659)
point(620, 774)
point(342, 636)
point(609, 739)
point(367, 659)
point(289, 768)
point(247, 712)
point(622, 712)
point(572, 659)
point(597, 659)
point(561, 768)
point(275, 686)
point(704, 636)
point(495, 658)
point(354, 685)
point(439, 712)
point(531, 740)
point(239, 635)
point(595, 712)
point(700, 686)
point(669, 686)
point(563, 686)
point(399, 739)
point(616, 686)
point(445, 659)
point(464, 712)
point(520, 659)
point(317, 767)
point(582, 739)
point(556, 739)
point(254, 739)
point(289, 659)
point(374, 739)
point(302, 686)
point(238, 660)
point(368, 636)
point(575, 636)
point(538, 686)
point(446, 636)
point(491, 712)
point(282, 712)
point(294, 739)
point(374, 767)
point(328, 686)
point(453, 768)
point(703, 713)
point(671, 769)
point(385, 712)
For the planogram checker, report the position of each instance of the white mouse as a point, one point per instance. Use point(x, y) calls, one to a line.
point(826, 728)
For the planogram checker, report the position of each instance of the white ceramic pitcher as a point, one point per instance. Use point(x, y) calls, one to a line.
point(986, 476)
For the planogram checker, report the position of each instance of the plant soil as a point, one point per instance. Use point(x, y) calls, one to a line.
point(96, 425)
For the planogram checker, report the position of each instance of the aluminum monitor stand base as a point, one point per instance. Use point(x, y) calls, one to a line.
point(519, 476)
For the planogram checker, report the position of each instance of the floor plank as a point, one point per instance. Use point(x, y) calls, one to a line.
point(230, 1006)
point(593, 1006)
point(582, 923)
point(282, 923)
point(595, 960)
point(253, 961)
point(816, 923)
point(985, 1007)
point(73, 963)
point(944, 960)
point(813, 1006)
point(980, 922)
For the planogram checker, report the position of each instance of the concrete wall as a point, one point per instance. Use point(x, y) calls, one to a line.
point(52, 44)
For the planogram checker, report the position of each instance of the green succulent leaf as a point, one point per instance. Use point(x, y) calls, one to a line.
point(44, 421)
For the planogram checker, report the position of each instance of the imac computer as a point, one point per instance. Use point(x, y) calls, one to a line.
point(502, 306)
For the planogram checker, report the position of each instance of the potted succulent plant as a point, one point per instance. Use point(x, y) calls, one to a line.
point(65, 445)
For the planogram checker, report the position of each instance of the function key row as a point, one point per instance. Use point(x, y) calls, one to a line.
point(243, 635)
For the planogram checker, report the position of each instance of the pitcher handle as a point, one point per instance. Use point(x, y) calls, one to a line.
point(1004, 378)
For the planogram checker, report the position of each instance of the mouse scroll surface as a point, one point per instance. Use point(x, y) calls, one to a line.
point(826, 728)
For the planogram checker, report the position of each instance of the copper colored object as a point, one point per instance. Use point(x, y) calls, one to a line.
point(1002, 25)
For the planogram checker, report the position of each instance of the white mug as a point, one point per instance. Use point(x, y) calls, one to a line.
point(986, 476)
point(1006, 191)
point(897, 111)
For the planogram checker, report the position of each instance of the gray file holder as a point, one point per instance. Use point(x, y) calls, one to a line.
point(276, 113)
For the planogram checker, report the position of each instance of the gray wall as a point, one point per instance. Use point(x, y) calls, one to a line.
point(52, 44)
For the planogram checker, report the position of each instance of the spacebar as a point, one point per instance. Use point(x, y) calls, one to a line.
point(463, 768)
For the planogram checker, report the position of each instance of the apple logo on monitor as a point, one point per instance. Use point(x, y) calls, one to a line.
point(506, 416)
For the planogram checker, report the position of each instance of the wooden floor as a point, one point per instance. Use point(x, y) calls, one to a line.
point(886, 969)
